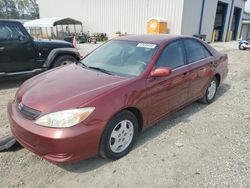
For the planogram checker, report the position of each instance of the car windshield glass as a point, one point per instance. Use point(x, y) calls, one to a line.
point(122, 58)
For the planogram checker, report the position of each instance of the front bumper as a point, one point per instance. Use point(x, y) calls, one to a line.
point(63, 145)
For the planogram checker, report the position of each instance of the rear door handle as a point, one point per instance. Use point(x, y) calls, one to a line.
point(202, 69)
point(185, 75)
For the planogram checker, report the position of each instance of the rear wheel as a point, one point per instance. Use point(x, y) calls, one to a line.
point(210, 92)
point(119, 136)
point(64, 60)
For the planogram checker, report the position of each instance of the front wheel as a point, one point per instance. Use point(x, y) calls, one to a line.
point(119, 136)
point(64, 60)
point(210, 92)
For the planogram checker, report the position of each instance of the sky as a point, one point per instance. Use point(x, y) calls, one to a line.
point(247, 8)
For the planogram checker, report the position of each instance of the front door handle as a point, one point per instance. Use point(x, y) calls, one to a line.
point(202, 69)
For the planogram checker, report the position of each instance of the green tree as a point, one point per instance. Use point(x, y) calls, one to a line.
point(8, 9)
point(35, 8)
point(19, 9)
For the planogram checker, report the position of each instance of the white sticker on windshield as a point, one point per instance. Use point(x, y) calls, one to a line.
point(146, 45)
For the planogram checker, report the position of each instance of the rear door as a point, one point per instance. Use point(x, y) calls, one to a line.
point(17, 52)
point(166, 94)
point(200, 64)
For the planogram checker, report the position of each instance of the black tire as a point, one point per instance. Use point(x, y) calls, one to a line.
point(206, 99)
point(64, 60)
point(241, 47)
point(105, 145)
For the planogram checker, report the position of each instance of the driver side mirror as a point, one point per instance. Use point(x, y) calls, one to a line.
point(23, 38)
point(161, 72)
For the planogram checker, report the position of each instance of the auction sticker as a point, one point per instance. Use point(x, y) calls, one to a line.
point(146, 45)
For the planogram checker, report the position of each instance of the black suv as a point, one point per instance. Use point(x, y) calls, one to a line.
point(20, 54)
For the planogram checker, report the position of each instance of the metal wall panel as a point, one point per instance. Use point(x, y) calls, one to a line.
point(191, 17)
point(245, 32)
point(192, 13)
point(110, 16)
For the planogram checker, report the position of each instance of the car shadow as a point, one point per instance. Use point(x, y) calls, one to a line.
point(147, 135)
point(13, 82)
point(14, 148)
point(85, 165)
point(178, 117)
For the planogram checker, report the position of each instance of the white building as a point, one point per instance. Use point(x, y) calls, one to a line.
point(219, 20)
point(245, 29)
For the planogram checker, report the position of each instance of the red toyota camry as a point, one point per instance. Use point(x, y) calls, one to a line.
point(99, 105)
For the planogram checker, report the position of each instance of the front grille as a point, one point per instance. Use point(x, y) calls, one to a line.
point(27, 112)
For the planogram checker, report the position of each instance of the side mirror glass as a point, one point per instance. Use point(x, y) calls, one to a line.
point(161, 72)
point(23, 38)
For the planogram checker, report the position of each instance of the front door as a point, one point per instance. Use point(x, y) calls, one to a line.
point(168, 93)
point(17, 52)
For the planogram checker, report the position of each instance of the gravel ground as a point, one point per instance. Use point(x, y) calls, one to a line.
point(199, 146)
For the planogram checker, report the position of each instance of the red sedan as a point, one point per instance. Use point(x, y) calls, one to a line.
point(99, 105)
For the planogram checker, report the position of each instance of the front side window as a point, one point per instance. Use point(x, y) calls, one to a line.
point(195, 50)
point(172, 56)
point(5, 33)
point(11, 33)
point(123, 58)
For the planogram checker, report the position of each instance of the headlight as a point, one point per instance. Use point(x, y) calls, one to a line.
point(63, 119)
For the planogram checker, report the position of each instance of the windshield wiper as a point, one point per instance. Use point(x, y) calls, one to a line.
point(99, 69)
point(83, 64)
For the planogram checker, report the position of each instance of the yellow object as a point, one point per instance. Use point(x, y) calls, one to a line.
point(230, 36)
point(224, 37)
point(157, 25)
point(213, 37)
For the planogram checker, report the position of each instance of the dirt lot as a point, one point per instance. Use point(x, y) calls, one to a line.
point(199, 146)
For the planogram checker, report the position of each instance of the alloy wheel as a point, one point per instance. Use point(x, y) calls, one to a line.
point(121, 136)
point(212, 90)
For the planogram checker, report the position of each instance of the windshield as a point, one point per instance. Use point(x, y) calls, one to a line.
point(122, 58)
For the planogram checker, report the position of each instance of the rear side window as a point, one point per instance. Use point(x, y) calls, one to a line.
point(172, 56)
point(195, 50)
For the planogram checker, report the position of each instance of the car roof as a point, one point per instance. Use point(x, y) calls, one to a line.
point(163, 38)
point(149, 38)
point(10, 21)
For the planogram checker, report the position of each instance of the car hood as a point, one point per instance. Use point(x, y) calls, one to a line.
point(66, 87)
point(52, 43)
